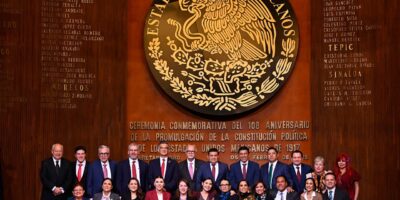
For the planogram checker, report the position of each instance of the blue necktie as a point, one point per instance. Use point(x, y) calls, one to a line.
point(330, 195)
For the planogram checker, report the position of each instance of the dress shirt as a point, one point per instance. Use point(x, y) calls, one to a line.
point(273, 166)
point(83, 167)
point(166, 161)
point(216, 170)
point(313, 194)
point(333, 192)
point(136, 166)
point(108, 169)
point(55, 162)
point(247, 166)
point(278, 195)
point(159, 196)
point(295, 168)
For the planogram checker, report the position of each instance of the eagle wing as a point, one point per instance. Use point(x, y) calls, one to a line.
point(224, 21)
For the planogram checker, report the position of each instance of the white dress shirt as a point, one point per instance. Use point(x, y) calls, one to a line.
point(82, 168)
point(136, 166)
point(165, 169)
point(216, 170)
point(278, 195)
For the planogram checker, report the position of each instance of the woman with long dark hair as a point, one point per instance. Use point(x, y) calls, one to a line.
point(183, 192)
point(135, 191)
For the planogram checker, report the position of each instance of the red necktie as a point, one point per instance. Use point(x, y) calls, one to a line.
point(79, 172)
point(244, 171)
point(298, 174)
point(213, 171)
point(163, 167)
point(133, 170)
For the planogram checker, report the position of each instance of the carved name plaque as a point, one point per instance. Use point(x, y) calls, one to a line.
point(66, 76)
point(347, 66)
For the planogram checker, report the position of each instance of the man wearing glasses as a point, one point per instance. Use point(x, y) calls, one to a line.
point(99, 170)
point(188, 168)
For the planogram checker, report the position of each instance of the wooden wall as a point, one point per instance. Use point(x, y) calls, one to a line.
point(57, 85)
point(367, 126)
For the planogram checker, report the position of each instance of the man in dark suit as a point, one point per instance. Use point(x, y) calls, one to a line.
point(55, 175)
point(282, 192)
point(189, 168)
point(244, 169)
point(132, 168)
point(274, 168)
point(164, 167)
point(212, 169)
point(80, 168)
point(100, 169)
point(333, 192)
point(298, 171)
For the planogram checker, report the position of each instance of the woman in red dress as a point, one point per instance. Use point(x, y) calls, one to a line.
point(346, 177)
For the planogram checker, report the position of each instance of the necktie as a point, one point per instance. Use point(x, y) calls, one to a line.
point(213, 171)
point(191, 171)
point(281, 195)
point(244, 171)
point(330, 195)
point(163, 167)
point(298, 174)
point(57, 167)
point(105, 172)
point(271, 166)
point(79, 172)
point(133, 170)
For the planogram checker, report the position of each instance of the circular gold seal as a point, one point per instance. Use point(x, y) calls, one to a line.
point(221, 57)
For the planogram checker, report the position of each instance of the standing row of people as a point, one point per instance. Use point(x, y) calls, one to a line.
point(280, 181)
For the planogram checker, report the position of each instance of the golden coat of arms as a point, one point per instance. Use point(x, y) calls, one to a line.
point(221, 57)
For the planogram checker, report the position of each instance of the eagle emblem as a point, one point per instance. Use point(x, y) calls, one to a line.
point(221, 57)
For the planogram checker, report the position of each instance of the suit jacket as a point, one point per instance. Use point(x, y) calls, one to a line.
point(152, 195)
point(50, 178)
point(113, 196)
point(205, 172)
point(305, 169)
point(171, 174)
point(83, 181)
point(235, 174)
point(289, 196)
point(280, 169)
point(95, 176)
point(184, 171)
point(124, 175)
point(340, 194)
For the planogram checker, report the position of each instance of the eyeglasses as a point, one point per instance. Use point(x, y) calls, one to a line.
point(190, 151)
point(224, 185)
point(104, 154)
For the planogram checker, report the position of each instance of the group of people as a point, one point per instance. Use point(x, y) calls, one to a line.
point(193, 179)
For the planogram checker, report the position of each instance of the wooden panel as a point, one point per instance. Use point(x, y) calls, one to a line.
point(367, 125)
point(62, 80)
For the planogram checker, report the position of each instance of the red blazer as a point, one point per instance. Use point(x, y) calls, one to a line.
point(152, 195)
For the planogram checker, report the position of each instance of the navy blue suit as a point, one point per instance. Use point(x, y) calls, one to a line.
point(305, 169)
point(281, 169)
point(235, 174)
point(171, 174)
point(96, 177)
point(124, 174)
point(205, 172)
